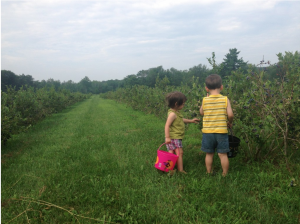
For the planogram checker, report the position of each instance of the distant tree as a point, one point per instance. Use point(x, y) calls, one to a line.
point(175, 76)
point(53, 83)
point(109, 85)
point(41, 84)
point(162, 83)
point(231, 62)
point(199, 71)
point(85, 85)
point(152, 75)
point(213, 63)
point(142, 74)
point(70, 85)
point(95, 87)
point(8, 78)
point(131, 80)
point(24, 80)
point(148, 77)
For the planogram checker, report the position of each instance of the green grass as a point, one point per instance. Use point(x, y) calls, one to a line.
point(94, 163)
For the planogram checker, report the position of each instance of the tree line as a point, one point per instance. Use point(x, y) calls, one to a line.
point(149, 77)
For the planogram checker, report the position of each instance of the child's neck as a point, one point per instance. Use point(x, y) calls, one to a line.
point(175, 109)
point(214, 92)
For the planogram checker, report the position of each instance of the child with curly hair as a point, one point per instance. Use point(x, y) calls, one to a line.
point(174, 127)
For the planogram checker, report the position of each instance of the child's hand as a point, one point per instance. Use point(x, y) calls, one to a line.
point(195, 120)
point(229, 125)
point(168, 140)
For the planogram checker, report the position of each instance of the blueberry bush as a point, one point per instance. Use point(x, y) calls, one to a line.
point(267, 111)
point(266, 108)
point(26, 106)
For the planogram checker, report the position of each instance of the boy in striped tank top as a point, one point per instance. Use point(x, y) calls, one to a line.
point(218, 116)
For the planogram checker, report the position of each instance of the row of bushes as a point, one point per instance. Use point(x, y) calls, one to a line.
point(267, 112)
point(20, 109)
point(152, 100)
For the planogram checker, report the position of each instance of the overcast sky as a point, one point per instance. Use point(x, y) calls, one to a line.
point(103, 40)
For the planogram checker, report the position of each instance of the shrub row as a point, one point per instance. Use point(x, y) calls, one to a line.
point(20, 109)
point(267, 112)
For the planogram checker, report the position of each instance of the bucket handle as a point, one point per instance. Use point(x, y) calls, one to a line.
point(162, 145)
point(231, 132)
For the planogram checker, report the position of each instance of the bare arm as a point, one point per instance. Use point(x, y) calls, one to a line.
point(229, 114)
point(170, 119)
point(201, 110)
point(194, 120)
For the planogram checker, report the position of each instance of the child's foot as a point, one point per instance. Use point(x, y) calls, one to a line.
point(172, 172)
point(212, 173)
point(182, 171)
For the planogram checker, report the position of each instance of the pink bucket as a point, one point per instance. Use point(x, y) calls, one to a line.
point(165, 161)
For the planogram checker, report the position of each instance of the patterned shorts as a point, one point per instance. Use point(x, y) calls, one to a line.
point(175, 143)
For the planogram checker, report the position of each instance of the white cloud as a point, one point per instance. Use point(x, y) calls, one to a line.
point(205, 49)
point(123, 37)
point(229, 24)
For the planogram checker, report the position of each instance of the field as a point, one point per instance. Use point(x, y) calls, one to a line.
point(94, 163)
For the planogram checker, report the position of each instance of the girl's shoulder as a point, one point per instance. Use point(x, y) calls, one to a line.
point(171, 111)
point(172, 115)
point(174, 112)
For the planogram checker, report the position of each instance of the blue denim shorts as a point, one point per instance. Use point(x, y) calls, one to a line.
point(212, 141)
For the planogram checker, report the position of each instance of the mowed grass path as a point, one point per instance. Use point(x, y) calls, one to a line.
point(94, 163)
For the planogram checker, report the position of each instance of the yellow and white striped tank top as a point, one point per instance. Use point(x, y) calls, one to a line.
point(215, 114)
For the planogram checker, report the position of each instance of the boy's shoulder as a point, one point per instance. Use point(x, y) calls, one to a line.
point(215, 96)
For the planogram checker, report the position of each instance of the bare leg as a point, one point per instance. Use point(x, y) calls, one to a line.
point(209, 158)
point(179, 153)
point(172, 172)
point(224, 162)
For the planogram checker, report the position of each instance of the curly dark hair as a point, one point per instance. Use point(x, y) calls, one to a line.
point(175, 97)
